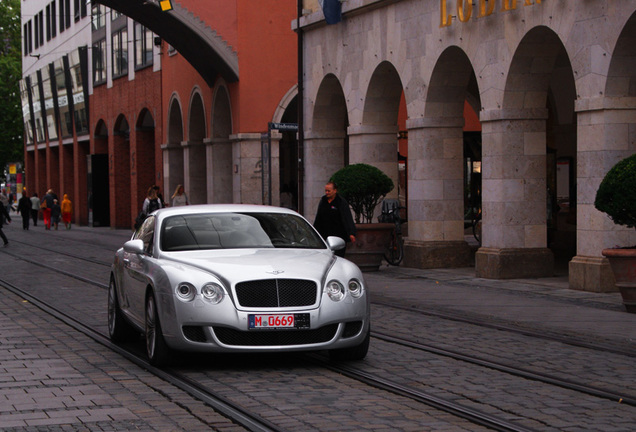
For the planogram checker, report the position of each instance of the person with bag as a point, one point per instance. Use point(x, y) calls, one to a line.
point(151, 203)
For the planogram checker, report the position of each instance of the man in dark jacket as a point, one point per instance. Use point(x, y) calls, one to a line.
point(5, 213)
point(24, 208)
point(333, 217)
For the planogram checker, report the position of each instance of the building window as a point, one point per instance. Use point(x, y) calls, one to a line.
point(99, 62)
point(48, 22)
point(99, 16)
point(143, 46)
point(120, 53)
point(114, 14)
point(52, 22)
point(36, 24)
point(41, 16)
point(65, 14)
point(77, 11)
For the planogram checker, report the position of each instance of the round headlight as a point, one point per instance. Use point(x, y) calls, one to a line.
point(185, 291)
point(335, 290)
point(213, 292)
point(355, 288)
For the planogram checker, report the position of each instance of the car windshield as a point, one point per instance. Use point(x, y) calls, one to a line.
point(238, 230)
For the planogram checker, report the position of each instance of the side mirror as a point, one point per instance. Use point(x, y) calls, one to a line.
point(134, 246)
point(335, 243)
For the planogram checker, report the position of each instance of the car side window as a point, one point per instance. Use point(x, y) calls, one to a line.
point(147, 233)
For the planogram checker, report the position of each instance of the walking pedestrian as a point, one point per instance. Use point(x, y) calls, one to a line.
point(24, 208)
point(179, 198)
point(67, 211)
point(35, 208)
point(5, 216)
point(333, 217)
point(56, 211)
point(4, 201)
point(47, 205)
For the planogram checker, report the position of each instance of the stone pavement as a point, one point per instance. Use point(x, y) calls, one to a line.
point(52, 378)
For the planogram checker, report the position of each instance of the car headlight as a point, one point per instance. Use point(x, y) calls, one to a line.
point(335, 290)
point(213, 292)
point(355, 288)
point(185, 291)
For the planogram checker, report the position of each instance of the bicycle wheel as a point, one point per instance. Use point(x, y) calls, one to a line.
point(395, 252)
point(477, 230)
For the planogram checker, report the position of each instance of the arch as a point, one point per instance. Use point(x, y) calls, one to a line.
point(143, 156)
point(173, 165)
point(220, 182)
point(100, 137)
point(195, 169)
point(120, 175)
point(326, 146)
point(437, 177)
point(382, 98)
point(534, 129)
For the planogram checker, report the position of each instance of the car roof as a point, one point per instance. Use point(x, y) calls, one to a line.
point(220, 208)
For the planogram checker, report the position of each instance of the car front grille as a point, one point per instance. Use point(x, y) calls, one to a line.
point(229, 336)
point(273, 293)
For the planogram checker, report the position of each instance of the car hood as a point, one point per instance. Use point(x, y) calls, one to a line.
point(236, 265)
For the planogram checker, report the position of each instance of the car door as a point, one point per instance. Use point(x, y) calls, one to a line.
point(136, 271)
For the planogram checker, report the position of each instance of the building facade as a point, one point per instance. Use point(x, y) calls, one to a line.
point(144, 97)
point(553, 85)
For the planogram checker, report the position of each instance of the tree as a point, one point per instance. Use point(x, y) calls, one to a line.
point(11, 123)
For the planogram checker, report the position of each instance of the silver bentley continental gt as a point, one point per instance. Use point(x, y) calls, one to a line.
point(236, 278)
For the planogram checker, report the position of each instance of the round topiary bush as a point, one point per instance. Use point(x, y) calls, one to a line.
point(616, 195)
point(363, 186)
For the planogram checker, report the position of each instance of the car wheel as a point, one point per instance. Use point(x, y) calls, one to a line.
point(357, 352)
point(119, 329)
point(156, 348)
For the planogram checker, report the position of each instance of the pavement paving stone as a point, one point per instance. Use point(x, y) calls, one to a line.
point(53, 379)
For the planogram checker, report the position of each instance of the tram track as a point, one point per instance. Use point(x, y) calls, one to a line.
point(359, 375)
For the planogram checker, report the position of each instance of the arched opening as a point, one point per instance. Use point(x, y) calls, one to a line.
point(326, 144)
point(221, 179)
point(540, 89)
point(121, 214)
point(143, 156)
point(98, 184)
point(195, 153)
point(173, 153)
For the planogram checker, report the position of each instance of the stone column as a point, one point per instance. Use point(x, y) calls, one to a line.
point(195, 171)
point(605, 134)
point(376, 145)
point(173, 167)
point(323, 156)
point(436, 200)
point(247, 169)
point(514, 229)
point(220, 170)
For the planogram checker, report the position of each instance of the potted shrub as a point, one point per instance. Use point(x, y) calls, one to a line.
point(364, 186)
point(616, 196)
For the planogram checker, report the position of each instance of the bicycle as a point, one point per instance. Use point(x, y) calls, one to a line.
point(395, 250)
point(476, 223)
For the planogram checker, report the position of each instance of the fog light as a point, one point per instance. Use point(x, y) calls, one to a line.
point(185, 291)
point(335, 290)
point(213, 292)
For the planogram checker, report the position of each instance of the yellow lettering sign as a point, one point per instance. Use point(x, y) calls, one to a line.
point(464, 9)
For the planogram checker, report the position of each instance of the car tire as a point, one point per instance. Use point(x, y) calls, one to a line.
point(119, 329)
point(156, 348)
point(357, 352)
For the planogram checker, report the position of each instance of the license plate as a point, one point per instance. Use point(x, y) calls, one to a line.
point(278, 321)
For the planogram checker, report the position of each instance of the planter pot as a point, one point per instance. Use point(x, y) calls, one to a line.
point(371, 243)
point(623, 263)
